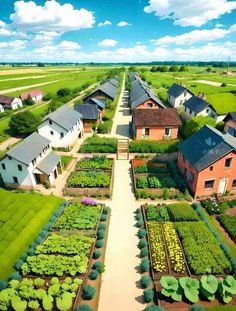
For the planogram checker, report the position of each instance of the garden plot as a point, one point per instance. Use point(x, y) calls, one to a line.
point(93, 177)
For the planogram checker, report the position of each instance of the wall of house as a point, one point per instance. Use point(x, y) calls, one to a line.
point(17, 103)
point(217, 173)
point(207, 112)
point(69, 137)
point(156, 132)
point(180, 100)
point(230, 125)
point(144, 105)
point(88, 124)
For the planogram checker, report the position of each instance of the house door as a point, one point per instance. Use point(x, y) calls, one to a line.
point(222, 185)
point(55, 174)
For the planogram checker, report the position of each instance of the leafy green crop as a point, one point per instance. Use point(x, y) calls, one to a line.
point(182, 212)
point(229, 223)
point(95, 163)
point(90, 179)
point(157, 213)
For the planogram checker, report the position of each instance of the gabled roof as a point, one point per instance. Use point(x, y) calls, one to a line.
point(89, 112)
point(230, 116)
point(109, 89)
point(156, 117)
point(113, 81)
point(32, 93)
point(196, 104)
point(65, 117)
point(207, 146)
point(6, 100)
point(96, 102)
point(29, 148)
point(48, 164)
point(176, 90)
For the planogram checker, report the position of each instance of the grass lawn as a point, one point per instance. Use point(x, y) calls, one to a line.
point(22, 216)
point(223, 102)
point(221, 308)
point(65, 160)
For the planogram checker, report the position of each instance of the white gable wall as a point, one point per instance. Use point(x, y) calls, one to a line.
point(69, 137)
point(180, 100)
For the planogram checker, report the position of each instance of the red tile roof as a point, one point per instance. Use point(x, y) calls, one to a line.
point(31, 93)
point(158, 117)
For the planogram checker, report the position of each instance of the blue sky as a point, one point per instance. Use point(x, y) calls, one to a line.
point(124, 30)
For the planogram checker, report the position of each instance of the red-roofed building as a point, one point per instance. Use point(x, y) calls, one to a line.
point(36, 95)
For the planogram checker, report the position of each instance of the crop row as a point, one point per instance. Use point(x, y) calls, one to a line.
point(89, 179)
point(229, 223)
point(143, 182)
point(182, 212)
point(202, 250)
point(95, 162)
point(157, 213)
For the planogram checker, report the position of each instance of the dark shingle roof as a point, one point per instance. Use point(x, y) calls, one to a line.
point(230, 116)
point(89, 112)
point(29, 149)
point(6, 100)
point(206, 147)
point(65, 117)
point(96, 102)
point(48, 164)
point(161, 117)
point(176, 90)
point(196, 104)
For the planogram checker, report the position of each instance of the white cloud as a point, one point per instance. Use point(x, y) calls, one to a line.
point(69, 45)
point(190, 13)
point(44, 37)
point(108, 42)
point(218, 25)
point(106, 23)
point(195, 36)
point(52, 15)
point(123, 24)
point(14, 45)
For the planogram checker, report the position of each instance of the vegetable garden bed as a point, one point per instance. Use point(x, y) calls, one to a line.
point(93, 177)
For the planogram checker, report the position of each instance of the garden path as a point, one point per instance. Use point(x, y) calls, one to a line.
point(120, 287)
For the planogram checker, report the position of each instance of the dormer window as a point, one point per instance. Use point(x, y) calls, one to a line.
point(150, 105)
point(10, 158)
point(50, 122)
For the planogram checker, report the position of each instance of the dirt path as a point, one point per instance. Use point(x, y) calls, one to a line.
point(26, 87)
point(23, 78)
point(119, 290)
point(212, 83)
point(10, 141)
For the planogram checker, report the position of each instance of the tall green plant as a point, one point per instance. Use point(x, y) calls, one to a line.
point(208, 286)
point(171, 288)
point(190, 288)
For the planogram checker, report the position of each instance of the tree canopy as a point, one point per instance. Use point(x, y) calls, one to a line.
point(24, 122)
point(194, 124)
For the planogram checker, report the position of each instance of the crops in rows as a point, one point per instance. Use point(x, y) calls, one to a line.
point(229, 223)
point(182, 212)
point(95, 163)
point(143, 182)
point(89, 179)
point(159, 214)
point(202, 250)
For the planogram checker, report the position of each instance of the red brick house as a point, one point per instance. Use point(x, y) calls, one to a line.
point(207, 161)
point(155, 124)
point(230, 124)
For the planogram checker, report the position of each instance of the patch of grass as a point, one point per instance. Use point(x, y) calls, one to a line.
point(221, 308)
point(22, 216)
point(223, 102)
point(65, 160)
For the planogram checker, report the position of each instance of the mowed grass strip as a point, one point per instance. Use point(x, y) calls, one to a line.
point(22, 217)
point(223, 102)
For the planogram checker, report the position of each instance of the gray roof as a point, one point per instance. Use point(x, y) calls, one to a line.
point(65, 117)
point(230, 116)
point(108, 88)
point(6, 100)
point(196, 104)
point(48, 164)
point(96, 101)
point(206, 147)
point(176, 90)
point(89, 112)
point(29, 148)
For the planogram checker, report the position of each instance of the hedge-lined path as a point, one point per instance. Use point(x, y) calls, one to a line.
point(120, 282)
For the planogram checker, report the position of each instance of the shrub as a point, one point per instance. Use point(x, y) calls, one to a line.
point(96, 144)
point(154, 308)
point(100, 243)
point(142, 243)
point(3, 284)
point(152, 146)
point(15, 276)
point(63, 92)
point(103, 217)
point(145, 281)
point(148, 295)
point(102, 226)
point(84, 307)
point(88, 292)
point(143, 252)
point(96, 254)
point(106, 210)
point(102, 128)
point(101, 234)
point(196, 308)
point(139, 224)
point(99, 266)
point(93, 275)
point(141, 233)
point(145, 265)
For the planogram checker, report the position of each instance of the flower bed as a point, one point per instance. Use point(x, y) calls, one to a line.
point(229, 223)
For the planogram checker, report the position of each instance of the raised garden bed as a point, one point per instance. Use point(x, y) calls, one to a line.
point(93, 177)
point(228, 222)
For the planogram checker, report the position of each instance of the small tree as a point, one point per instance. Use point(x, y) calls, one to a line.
point(183, 68)
point(208, 69)
point(28, 101)
point(24, 123)
point(63, 92)
point(196, 123)
point(174, 68)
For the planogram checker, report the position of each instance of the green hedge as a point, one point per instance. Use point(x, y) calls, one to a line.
point(96, 144)
point(153, 146)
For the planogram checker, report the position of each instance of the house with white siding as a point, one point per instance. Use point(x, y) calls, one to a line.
point(2, 108)
point(62, 127)
point(9, 102)
point(29, 163)
point(178, 95)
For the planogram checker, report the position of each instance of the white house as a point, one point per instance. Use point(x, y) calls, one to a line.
point(197, 106)
point(62, 127)
point(10, 102)
point(36, 95)
point(29, 163)
point(1, 108)
point(178, 95)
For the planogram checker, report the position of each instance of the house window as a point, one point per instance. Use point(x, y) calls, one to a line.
point(234, 183)
point(211, 168)
point(150, 105)
point(50, 122)
point(185, 94)
point(19, 167)
point(209, 184)
point(181, 102)
point(10, 158)
point(51, 132)
point(228, 162)
point(232, 131)
point(3, 166)
point(191, 177)
point(15, 179)
point(34, 161)
point(146, 131)
point(207, 110)
point(167, 131)
point(62, 135)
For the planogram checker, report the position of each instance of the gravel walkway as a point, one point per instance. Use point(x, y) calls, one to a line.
point(26, 87)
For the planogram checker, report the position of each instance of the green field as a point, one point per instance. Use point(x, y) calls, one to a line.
point(221, 98)
point(22, 216)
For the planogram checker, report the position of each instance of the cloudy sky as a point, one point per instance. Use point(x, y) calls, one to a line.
point(117, 30)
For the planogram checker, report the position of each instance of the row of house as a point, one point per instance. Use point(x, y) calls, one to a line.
point(151, 119)
point(94, 105)
point(180, 97)
point(10, 102)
